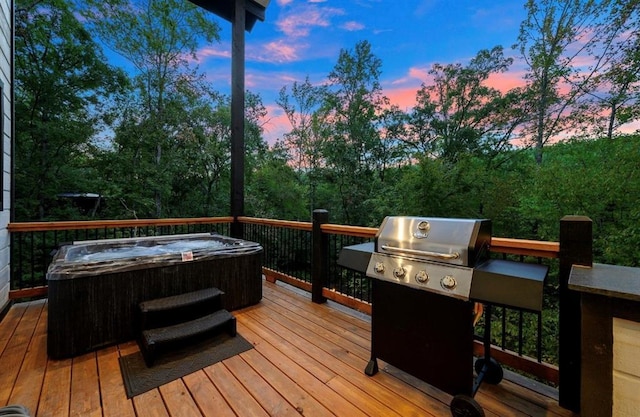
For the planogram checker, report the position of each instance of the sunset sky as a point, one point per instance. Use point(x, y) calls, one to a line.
point(302, 38)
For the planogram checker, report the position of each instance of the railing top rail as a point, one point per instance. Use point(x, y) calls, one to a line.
point(279, 223)
point(498, 244)
point(358, 231)
point(98, 224)
point(538, 248)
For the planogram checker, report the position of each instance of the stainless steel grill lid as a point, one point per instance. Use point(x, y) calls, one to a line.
point(463, 242)
point(449, 257)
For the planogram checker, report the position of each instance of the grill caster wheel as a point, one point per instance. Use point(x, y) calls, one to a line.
point(493, 374)
point(372, 368)
point(465, 406)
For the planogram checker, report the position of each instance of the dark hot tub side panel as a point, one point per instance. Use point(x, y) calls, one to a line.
point(87, 313)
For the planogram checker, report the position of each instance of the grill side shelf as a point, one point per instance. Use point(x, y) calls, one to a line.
point(509, 283)
point(356, 257)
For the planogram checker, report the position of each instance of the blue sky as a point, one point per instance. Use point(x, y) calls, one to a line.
point(302, 38)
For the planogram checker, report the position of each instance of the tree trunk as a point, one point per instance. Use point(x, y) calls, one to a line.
point(612, 120)
point(542, 110)
point(157, 191)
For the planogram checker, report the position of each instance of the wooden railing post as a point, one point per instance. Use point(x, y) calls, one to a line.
point(320, 249)
point(236, 229)
point(576, 248)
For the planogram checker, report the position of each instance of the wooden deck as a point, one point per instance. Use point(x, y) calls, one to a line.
point(308, 360)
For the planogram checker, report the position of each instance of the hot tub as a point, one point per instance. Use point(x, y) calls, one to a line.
point(95, 286)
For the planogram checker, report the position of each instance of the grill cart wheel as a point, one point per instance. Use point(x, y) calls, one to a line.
point(492, 370)
point(372, 367)
point(465, 406)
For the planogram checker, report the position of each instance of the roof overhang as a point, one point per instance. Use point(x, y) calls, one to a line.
point(255, 9)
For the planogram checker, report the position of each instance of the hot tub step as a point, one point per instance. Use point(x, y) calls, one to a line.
point(168, 311)
point(177, 335)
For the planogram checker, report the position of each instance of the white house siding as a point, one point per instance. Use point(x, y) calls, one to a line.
point(626, 368)
point(6, 34)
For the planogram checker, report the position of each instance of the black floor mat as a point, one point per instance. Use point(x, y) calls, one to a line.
point(178, 363)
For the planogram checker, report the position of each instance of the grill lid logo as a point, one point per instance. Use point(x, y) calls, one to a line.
point(423, 230)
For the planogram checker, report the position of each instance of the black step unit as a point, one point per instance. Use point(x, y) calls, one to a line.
point(174, 336)
point(167, 311)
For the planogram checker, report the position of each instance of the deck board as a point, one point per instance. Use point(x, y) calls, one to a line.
point(112, 391)
point(56, 389)
point(292, 392)
point(85, 386)
point(210, 402)
point(10, 322)
point(28, 384)
point(308, 359)
point(178, 401)
point(16, 349)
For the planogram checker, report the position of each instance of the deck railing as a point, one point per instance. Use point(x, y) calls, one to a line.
point(33, 243)
point(523, 340)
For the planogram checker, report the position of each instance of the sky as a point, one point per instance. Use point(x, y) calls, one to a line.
point(303, 38)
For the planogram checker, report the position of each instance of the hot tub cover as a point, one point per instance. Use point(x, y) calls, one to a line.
point(90, 258)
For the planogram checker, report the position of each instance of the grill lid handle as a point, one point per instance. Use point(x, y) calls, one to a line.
point(430, 254)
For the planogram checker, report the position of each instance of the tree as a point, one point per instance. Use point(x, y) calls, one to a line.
point(62, 85)
point(157, 37)
point(459, 114)
point(352, 107)
point(615, 90)
point(275, 191)
point(304, 142)
point(300, 106)
point(552, 38)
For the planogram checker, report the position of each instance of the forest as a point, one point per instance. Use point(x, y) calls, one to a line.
point(155, 142)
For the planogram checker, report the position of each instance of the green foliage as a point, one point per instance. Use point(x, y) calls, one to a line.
point(156, 37)
point(555, 40)
point(350, 151)
point(62, 82)
point(459, 114)
point(275, 192)
point(597, 178)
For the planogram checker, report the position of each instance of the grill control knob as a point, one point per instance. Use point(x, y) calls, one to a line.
point(399, 272)
point(422, 276)
point(448, 282)
point(379, 267)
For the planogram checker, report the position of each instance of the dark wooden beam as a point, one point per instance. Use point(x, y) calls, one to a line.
point(237, 118)
point(576, 248)
point(226, 10)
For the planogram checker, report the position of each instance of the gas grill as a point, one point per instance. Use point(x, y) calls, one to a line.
point(427, 273)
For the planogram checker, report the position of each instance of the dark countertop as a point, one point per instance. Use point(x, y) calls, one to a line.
point(607, 280)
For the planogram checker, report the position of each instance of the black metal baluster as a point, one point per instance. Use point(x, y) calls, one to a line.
point(539, 341)
point(503, 342)
point(32, 257)
point(285, 234)
point(47, 248)
point(520, 326)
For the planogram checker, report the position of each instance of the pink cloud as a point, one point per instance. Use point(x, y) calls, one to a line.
point(419, 73)
point(300, 22)
point(505, 81)
point(404, 98)
point(275, 124)
point(211, 51)
point(631, 127)
point(254, 78)
point(279, 51)
point(415, 77)
point(352, 26)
